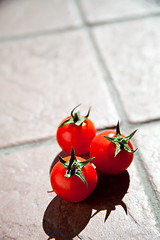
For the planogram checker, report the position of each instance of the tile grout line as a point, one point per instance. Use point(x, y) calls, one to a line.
point(51, 140)
point(123, 19)
point(74, 28)
point(15, 38)
point(105, 72)
point(151, 194)
point(150, 191)
point(27, 145)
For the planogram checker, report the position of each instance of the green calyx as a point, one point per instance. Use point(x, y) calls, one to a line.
point(121, 142)
point(75, 118)
point(74, 167)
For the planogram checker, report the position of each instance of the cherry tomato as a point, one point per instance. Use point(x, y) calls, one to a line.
point(76, 131)
point(73, 178)
point(113, 151)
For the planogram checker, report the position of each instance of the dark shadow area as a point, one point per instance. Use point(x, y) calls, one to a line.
point(109, 192)
point(64, 220)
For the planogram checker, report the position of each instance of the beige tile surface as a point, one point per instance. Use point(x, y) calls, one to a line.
point(50, 61)
point(102, 10)
point(131, 52)
point(148, 139)
point(43, 80)
point(28, 211)
point(21, 17)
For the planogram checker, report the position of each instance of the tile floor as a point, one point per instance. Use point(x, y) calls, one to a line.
point(54, 55)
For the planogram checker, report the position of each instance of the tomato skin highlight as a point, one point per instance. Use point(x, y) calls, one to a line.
point(104, 152)
point(73, 189)
point(78, 137)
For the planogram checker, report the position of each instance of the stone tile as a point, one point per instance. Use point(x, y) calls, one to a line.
point(43, 79)
point(20, 17)
point(148, 139)
point(139, 222)
point(24, 182)
point(131, 52)
point(28, 211)
point(102, 10)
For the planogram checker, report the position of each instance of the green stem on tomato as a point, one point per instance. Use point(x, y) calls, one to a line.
point(121, 142)
point(76, 118)
point(74, 167)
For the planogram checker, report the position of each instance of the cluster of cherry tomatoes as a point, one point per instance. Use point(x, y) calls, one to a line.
point(73, 178)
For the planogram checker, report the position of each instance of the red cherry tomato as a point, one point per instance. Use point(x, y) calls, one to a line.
point(76, 131)
point(73, 181)
point(113, 151)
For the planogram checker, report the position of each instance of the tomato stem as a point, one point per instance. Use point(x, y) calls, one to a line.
point(76, 118)
point(121, 142)
point(74, 167)
point(50, 191)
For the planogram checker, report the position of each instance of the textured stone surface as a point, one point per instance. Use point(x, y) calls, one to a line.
point(24, 182)
point(102, 10)
point(20, 17)
point(148, 139)
point(28, 211)
point(131, 52)
point(47, 67)
point(139, 223)
point(43, 80)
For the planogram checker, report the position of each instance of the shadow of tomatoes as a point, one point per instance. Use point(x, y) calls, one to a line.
point(64, 220)
point(109, 193)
